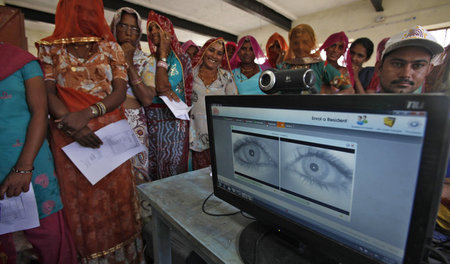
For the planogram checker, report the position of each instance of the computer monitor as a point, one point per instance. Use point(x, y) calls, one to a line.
point(358, 177)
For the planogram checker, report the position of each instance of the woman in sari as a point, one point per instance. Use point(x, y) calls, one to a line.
point(335, 47)
point(302, 42)
point(26, 157)
point(126, 28)
point(209, 79)
point(190, 48)
point(276, 49)
point(247, 65)
point(85, 76)
point(169, 136)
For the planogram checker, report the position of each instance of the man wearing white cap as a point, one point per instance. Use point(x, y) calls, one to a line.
point(406, 61)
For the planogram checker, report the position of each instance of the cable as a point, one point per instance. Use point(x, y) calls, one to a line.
point(247, 216)
point(212, 214)
point(438, 253)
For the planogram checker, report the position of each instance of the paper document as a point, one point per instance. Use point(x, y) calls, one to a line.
point(179, 109)
point(19, 212)
point(119, 144)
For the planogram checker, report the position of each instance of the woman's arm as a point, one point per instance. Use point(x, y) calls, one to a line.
point(163, 85)
point(143, 92)
point(75, 122)
point(16, 183)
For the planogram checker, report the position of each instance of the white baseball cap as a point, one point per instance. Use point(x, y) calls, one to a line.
point(416, 36)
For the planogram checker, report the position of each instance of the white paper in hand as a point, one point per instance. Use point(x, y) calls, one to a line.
point(179, 109)
point(19, 212)
point(119, 144)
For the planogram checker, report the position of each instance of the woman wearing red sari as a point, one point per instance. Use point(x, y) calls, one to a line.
point(276, 48)
point(85, 75)
point(168, 135)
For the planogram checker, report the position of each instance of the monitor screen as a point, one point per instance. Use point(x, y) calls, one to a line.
point(358, 175)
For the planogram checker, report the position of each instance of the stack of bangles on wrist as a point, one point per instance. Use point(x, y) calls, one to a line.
point(13, 169)
point(98, 109)
point(136, 82)
point(162, 64)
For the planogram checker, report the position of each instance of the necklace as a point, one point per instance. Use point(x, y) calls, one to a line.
point(248, 72)
point(207, 80)
point(86, 52)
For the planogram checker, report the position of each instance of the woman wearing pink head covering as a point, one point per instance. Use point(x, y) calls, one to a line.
point(247, 64)
point(374, 85)
point(190, 48)
point(335, 47)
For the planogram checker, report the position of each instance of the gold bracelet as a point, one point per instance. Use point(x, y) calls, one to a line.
point(13, 169)
point(136, 82)
point(101, 106)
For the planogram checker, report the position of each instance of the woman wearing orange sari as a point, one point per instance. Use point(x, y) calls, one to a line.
point(276, 48)
point(85, 75)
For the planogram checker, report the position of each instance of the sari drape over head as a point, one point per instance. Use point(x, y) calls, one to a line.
point(166, 25)
point(270, 42)
point(103, 218)
point(118, 16)
point(341, 37)
point(260, 58)
point(79, 21)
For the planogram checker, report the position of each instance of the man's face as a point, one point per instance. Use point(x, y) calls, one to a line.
point(404, 70)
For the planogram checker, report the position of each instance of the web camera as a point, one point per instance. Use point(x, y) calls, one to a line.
point(287, 81)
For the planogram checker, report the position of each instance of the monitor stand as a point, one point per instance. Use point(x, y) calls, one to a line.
point(259, 243)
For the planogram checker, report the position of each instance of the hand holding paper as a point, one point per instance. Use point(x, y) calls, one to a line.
point(179, 109)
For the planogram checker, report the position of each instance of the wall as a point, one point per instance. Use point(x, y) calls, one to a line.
point(359, 20)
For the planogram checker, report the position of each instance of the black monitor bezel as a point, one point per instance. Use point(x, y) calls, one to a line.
point(433, 162)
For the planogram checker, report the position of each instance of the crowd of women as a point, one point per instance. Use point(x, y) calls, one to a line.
point(92, 74)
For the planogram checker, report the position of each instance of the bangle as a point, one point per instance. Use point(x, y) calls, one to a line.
point(94, 111)
point(13, 169)
point(136, 82)
point(162, 64)
point(101, 107)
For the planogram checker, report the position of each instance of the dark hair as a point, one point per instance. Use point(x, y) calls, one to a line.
point(366, 43)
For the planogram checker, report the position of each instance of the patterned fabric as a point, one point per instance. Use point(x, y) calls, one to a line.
point(168, 142)
point(13, 126)
point(146, 66)
point(138, 122)
point(103, 233)
point(166, 25)
point(198, 130)
point(93, 76)
point(175, 74)
point(246, 85)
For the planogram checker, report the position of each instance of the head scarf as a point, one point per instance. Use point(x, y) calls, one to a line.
point(198, 59)
point(304, 29)
point(270, 42)
point(374, 84)
point(12, 59)
point(79, 21)
point(341, 37)
point(118, 16)
point(260, 58)
point(166, 25)
point(232, 44)
point(187, 45)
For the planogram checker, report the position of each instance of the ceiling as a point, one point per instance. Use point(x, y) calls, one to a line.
point(198, 20)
